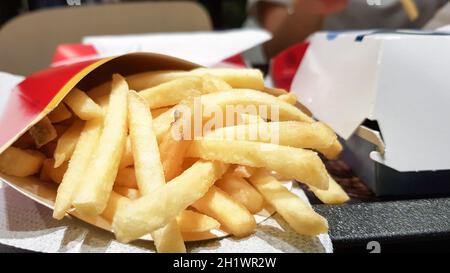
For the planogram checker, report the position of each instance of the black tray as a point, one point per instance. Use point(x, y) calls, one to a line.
point(397, 226)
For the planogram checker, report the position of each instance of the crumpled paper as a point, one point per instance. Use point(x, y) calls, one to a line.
point(28, 225)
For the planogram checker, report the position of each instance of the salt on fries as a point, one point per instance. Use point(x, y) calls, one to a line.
point(112, 153)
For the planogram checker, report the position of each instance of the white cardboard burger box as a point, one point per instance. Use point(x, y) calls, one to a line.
point(399, 81)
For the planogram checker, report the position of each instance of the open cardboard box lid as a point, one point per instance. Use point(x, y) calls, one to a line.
point(398, 79)
point(37, 95)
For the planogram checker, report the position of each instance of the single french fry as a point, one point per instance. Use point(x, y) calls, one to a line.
point(129, 193)
point(87, 142)
point(275, 91)
point(22, 163)
point(172, 154)
point(333, 151)
point(50, 173)
point(149, 169)
point(127, 156)
point(82, 105)
point(233, 216)
point(300, 216)
point(43, 132)
point(335, 195)
point(154, 211)
point(159, 111)
point(248, 119)
point(161, 126)
point(316, 135)
point(147, 163)
point(295, 163)
point(237, 78)
point(290, 98)
point(60, 113)
point(246, 97)
point(212, 84)
point(139, 81)
point(191, 221)
point(67, 142)
point(149, 79)
point(241, 191)
point(170, 238)
point(126, 178)
point(93, 194)
point(172, 92)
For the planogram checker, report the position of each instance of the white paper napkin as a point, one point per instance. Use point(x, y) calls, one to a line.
point(204, 48)
point(28, 225)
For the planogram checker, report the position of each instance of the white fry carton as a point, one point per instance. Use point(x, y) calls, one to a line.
point(400, 80)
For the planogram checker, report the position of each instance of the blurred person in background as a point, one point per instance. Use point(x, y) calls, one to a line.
point(292, 21)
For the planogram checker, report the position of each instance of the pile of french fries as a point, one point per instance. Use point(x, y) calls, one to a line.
point(114, 154)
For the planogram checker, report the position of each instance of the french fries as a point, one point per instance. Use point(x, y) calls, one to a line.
point(335, 195)
point(149, 169)
point(93, 195)
point(82, 105)
point(30, 162)
point(112, 153)
point(301, 217)
point(67, 142)
point(295, 163)
point(79, 161)
point(43, 132)
point(157, 209)
point(233, 216)
point(241, 191)
point(191, 221)
point(188, 220)
point(60, 113)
